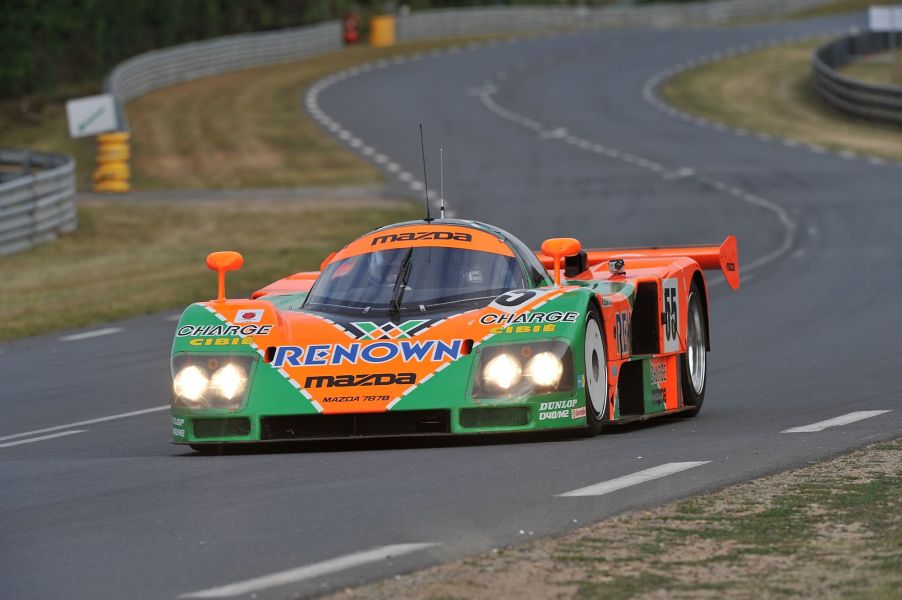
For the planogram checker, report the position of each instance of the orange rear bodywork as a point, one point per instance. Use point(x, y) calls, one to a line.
point(724, 257)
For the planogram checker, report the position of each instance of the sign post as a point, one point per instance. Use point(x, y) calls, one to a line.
point(888, 19)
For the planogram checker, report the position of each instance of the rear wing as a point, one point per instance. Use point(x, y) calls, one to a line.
point(724, 257)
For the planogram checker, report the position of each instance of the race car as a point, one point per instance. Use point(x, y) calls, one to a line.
point(444, 327)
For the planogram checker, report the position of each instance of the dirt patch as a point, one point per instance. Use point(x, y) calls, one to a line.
point(832, 530)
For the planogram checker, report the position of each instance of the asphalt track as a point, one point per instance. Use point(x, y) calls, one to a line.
point(544, 137)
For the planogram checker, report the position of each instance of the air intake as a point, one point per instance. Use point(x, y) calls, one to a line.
point(225, 427)
point(505, 416)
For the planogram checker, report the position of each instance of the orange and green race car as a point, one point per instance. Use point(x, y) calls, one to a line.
point(448, 327)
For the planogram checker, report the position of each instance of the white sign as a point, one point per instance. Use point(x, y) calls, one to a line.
point(92, 115)
point(885, 18)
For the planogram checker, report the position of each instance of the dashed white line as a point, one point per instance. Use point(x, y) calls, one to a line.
point(90, 334)
point(852, 417)
point(42, 438)
point(133, 413)
point(319, 569)
point(612, 485)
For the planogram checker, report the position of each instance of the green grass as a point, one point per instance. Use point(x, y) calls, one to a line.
point(135, 258)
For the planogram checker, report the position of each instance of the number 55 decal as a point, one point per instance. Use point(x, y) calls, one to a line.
point(670, 317)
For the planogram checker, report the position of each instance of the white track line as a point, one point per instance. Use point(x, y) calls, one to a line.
point(133, 413)
point(308, 572)
point(612, 485)
point(42, 438)
point(90, 334)
point(837, 421)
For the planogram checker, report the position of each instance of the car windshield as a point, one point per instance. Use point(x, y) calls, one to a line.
point(421, 278)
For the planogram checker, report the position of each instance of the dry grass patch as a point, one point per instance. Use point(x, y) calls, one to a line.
point(136, 258)
point(248, 129)
point(770, 91)
point(832, 530)
point(879, 68)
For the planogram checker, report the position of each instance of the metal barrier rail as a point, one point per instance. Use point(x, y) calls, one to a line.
point(38, 202)
point(858, 98)
point(160, 68)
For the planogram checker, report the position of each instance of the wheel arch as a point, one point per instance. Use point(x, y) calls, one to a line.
point(699, 278)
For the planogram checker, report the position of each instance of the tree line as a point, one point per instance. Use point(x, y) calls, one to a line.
point(48, 43)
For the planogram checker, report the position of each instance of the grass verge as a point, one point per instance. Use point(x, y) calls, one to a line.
point(770, 91)
point(879, 68)
point(246, 129)
point(141, 257)
point(830, 530)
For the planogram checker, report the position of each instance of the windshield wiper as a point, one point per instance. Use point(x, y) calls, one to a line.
point(401, 283)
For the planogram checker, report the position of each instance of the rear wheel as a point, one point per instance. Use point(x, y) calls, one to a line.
point(694, 363)
point(595, 374)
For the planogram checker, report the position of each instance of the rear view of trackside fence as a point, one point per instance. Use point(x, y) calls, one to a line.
point(862, 99)
point(37, 198)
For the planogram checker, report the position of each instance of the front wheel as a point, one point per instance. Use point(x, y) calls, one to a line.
point(694, 363)
point(595, 374)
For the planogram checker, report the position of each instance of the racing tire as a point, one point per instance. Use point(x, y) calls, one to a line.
point(595, 374)
point(694, 363)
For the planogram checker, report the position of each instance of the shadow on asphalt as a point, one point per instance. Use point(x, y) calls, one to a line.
point(420, 442)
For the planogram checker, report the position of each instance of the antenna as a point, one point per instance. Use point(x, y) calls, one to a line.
point(425, 181)
point(441, 179)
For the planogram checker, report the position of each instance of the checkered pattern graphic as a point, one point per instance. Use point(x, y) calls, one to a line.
point(387, 331)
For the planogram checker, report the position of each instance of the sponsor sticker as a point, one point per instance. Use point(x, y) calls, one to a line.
point(556, 409)
point(529, 318)
point(547, 328)
point(578, 413)
point(360, 380)
point(221, 341)
point(374, 353)
point(249, 315)
point(421, 235)
point(222, 330)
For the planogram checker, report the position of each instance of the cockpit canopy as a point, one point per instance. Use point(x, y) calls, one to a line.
point(424, 267)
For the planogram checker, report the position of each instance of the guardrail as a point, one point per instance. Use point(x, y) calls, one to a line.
point(37, 198)
point(858, 98)
point(160, 68)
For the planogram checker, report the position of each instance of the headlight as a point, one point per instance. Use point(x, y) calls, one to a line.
point(545, 369)
point(229, 381)
point(522, 369)
point(203, 381)
point(502, 372)
point(190, 383)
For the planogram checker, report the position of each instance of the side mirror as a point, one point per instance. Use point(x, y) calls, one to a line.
point(222, 262)
point(559, 248)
